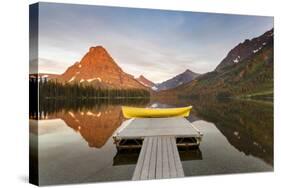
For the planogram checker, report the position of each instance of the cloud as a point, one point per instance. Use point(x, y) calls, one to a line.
point(50, 66)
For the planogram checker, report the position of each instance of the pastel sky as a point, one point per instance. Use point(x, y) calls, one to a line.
point(156, 43)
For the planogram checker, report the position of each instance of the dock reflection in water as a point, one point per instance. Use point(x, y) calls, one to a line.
point(76, 145)
point(128, 157)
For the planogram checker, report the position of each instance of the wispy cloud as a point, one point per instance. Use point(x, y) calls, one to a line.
point(50, 66)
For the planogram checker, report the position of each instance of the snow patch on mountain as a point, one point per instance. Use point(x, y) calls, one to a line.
point(154, 88)
point(71, 79)
point(256, 50)
point(98, 78)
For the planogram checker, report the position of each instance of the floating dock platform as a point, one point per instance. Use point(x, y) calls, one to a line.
point(132, 132)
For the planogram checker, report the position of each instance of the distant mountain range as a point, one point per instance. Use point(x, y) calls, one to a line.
point(98, 68)
point(247, 70)
point(180, 79)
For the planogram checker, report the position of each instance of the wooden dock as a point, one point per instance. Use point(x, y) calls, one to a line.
point(158, 139)
point(159, 158)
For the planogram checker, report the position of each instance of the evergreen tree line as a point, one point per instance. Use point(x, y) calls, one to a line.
point(56, 90)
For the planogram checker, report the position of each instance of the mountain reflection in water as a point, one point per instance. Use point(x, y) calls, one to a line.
point(96, 123)
point(247, 124)
point(238, 137)
point(96, 126)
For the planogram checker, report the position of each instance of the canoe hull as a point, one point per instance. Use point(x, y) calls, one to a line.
point(132, 112)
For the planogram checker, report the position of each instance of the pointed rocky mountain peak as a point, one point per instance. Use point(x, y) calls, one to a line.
point(144, 81)
point(188, 71)
point(98, 59)
point(98, 52)
point(97, 49)
point(98, 68)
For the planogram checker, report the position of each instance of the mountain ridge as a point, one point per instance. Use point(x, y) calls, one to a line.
point(252, 76)
point(143, 80)
point(182, 78)
point(245, 49)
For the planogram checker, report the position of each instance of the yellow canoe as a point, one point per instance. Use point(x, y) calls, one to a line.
point(133, 112)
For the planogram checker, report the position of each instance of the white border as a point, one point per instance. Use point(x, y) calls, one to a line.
point(14, 100)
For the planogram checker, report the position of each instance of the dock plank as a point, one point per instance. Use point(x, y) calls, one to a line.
point(147, 159)
point(159, 162)
point(159, 158)
point(152, 165)
point(171, 159)
point(178, 164)
point(138, 169)
point(165, 171)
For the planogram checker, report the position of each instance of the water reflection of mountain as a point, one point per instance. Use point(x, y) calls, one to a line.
point(95, 120)
point(96, 126)
point(247, 125)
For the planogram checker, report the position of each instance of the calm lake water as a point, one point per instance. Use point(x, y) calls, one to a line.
point(76, 145)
